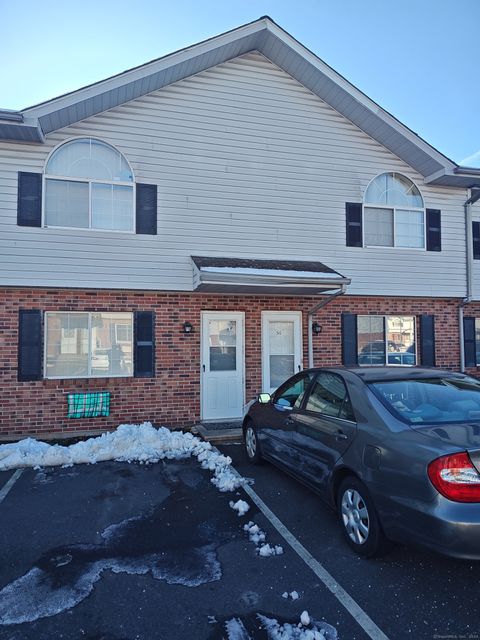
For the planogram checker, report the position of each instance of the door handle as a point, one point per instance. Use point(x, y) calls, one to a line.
point(203, 367)
point(340, 435)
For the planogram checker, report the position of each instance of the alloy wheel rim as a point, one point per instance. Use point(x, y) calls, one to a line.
point(251, 442)
point(355, 516)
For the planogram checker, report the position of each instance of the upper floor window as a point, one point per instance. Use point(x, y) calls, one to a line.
point(89, 185)
point(394, 213)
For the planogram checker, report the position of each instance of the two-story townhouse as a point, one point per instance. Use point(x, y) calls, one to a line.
point(181, 236)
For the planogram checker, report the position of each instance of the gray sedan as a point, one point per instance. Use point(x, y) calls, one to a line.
point(395, 450)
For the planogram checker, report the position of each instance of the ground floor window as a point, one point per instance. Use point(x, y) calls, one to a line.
point(88, 345)
point(386, 340)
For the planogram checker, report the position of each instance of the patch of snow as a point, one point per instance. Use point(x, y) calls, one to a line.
point(258, 537)
point(128, 443)
point(317, 631)
point(241, 507)
point(236, 630)
point(293, 595)
point(285, 594)
point(266, 550)
point(305, 618)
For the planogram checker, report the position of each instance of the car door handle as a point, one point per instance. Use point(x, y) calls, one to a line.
point(340, 435)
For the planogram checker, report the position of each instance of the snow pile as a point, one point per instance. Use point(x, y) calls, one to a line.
point(241, 507)
point(266, 550)
point(255, 534)
point(293, 595)
point(311, 630)
point(258, 537)
point(128, 443)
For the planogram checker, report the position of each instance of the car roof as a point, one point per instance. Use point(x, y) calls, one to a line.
point(376, 374)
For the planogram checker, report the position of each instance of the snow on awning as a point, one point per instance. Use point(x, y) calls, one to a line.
point(244, 275)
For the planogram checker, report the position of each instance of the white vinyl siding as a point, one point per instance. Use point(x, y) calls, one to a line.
point(248, 163)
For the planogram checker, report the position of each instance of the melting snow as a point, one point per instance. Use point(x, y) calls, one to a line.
point(314, 630)
point(240, 506)
point(128, 443)
point(258, 537)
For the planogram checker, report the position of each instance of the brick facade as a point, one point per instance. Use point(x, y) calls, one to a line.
point(173, 396)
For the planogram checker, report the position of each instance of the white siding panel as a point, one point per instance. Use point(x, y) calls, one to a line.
point(248, 163)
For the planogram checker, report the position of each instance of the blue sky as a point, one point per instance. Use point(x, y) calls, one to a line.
point(417, 58)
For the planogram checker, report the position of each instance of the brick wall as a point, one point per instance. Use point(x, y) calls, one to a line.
point(173, 396)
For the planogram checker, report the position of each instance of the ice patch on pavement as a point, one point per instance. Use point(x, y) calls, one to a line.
point(128, 443)
point(236, 630)
point(41, 594)
point(241, 507)
point(258, 537)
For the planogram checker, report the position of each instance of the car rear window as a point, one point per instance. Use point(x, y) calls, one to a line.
point(431, 400)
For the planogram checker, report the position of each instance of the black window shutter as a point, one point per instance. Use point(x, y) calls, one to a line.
point(349, 340)
point(469, 342)
point(434, 230)
point(146, 209)
point(427, 337)
point(29, 199)
point(144, 331)
point(476, 240)
point(353, 217)
point(29, 344)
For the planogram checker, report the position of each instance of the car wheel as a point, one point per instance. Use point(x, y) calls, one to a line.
point(252, 446)
point(359, 520)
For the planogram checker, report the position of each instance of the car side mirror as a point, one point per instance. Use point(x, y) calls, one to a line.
point(264, 398)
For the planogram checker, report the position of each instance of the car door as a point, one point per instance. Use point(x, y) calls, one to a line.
point(275, 420)
point(323, 428)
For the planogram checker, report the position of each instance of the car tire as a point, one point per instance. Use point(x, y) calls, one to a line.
point(252, 445)
point(359, 519)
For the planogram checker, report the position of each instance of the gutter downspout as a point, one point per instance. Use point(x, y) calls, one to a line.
point(473, 197)
point(313, 310)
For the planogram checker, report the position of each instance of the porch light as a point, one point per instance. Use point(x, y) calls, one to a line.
point(316, 328)
point(187, 327)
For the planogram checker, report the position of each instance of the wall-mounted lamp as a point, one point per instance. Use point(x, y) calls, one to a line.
point(187, 327)
point(316, 328)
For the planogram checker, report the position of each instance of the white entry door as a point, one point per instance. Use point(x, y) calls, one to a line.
point(222, 365)
point(281, 347)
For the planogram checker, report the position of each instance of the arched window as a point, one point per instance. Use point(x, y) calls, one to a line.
point(394, 214)
point(89, 185)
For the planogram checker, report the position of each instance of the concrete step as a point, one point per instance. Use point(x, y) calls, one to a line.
point(218, 433)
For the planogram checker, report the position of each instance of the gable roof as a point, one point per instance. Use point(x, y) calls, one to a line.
point(262, 35)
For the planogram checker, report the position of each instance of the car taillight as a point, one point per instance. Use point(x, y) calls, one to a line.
point(455, 477)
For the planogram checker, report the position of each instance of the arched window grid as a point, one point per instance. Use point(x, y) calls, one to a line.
point(90, 194)
point(387, 220)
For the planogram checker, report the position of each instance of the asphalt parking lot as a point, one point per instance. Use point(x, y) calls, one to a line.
point(118, 551)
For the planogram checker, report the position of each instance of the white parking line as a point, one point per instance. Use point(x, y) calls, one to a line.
point(328, 580)
point(8, 485)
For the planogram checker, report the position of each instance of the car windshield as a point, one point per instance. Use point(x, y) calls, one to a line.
point(431, 400)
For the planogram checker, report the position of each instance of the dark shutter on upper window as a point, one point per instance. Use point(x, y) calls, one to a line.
point(469, 342)
point(144, 328)
point(427, 337)
point(29, 344)
point(434, 230)
point(146, 209)
point(476, 240)
point(29, 199)
point(353, 217)
point(349, 339)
